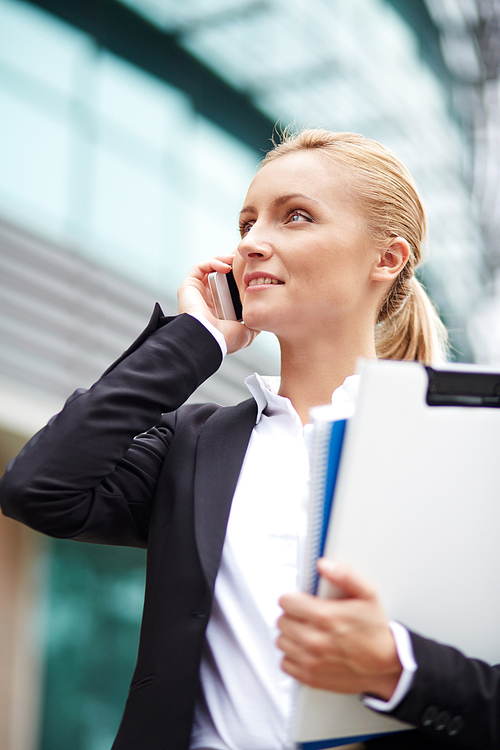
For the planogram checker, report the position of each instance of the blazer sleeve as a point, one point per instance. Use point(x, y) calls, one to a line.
point(454, 700)
point(86, 475)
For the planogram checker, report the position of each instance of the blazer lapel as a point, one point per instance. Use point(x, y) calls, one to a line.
point(221, 450)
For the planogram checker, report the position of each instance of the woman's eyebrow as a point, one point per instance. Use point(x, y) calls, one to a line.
point(285, 198)
point(281, 200)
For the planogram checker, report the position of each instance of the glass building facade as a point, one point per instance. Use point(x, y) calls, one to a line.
point(117, 173)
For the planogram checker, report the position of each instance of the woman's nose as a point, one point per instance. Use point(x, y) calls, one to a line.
point(255, 244)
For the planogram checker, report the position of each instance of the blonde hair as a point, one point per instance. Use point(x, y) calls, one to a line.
point(408, 325)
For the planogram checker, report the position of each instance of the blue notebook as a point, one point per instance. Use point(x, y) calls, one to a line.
point(325, 447)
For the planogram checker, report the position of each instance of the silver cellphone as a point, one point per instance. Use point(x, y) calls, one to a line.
point(225, 296)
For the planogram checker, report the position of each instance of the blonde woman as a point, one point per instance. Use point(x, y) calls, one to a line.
point(331, 232)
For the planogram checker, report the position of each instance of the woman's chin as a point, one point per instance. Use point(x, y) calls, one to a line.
point(259, 315)
point(257, 321)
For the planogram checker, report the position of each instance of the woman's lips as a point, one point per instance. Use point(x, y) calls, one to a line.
point(264, 281)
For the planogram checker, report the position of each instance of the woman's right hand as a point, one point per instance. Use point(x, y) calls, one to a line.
point(194, 297)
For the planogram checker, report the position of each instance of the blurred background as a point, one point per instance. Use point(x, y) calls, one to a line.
point(129, 132)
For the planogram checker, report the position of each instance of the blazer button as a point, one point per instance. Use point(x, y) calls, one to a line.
point(198, 614)
point(441, 721)
point(429, 716)
point(455, 726)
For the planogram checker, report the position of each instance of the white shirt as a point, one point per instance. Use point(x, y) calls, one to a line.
point(247, 701)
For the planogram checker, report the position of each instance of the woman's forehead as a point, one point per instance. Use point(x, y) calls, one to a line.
point(312, 172)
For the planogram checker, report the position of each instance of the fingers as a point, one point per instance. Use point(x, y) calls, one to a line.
point(333, 677)
point(317, 657)
point(302, 665)
point(194, 294)
point(343, 577)
point(344, 644)
point(317, 624)
point(194, 297)
point(221, 263)
point(305, 650)
point(300, 606)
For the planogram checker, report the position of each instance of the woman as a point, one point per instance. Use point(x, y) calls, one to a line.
point(330, 237)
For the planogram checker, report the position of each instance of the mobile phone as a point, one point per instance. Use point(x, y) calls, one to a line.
point(225, 295)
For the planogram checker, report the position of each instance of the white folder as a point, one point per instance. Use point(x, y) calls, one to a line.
point(416, 510)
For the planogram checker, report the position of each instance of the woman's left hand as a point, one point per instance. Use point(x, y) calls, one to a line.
point(343, 645)
point(194, 297)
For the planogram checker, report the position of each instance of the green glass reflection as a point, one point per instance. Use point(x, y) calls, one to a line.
point(94, 606)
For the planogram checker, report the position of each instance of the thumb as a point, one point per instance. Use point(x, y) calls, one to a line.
point(343, 577)
point(242, 336)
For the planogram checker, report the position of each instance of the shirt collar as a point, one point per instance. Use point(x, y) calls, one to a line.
point(264, 389)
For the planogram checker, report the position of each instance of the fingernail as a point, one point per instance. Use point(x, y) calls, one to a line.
point(327, 565)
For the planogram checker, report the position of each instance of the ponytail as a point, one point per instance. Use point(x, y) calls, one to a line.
point(414, 331)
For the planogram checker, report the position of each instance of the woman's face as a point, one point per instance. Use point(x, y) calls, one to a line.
point(305, 256)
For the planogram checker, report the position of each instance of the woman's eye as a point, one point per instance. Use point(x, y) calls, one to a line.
point(245, 228)
point(297, 216)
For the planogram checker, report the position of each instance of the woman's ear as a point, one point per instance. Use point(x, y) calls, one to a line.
point(391, 260)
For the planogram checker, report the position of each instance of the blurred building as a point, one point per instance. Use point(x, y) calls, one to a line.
point(129, 132)
point(470, 42)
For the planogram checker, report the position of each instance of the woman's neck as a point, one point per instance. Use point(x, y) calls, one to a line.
point(312, 369)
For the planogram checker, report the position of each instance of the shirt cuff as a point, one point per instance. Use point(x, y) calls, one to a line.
point(407, 658)
point(218, 336)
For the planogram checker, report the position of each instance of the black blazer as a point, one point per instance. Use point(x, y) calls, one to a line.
point(86, 476)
